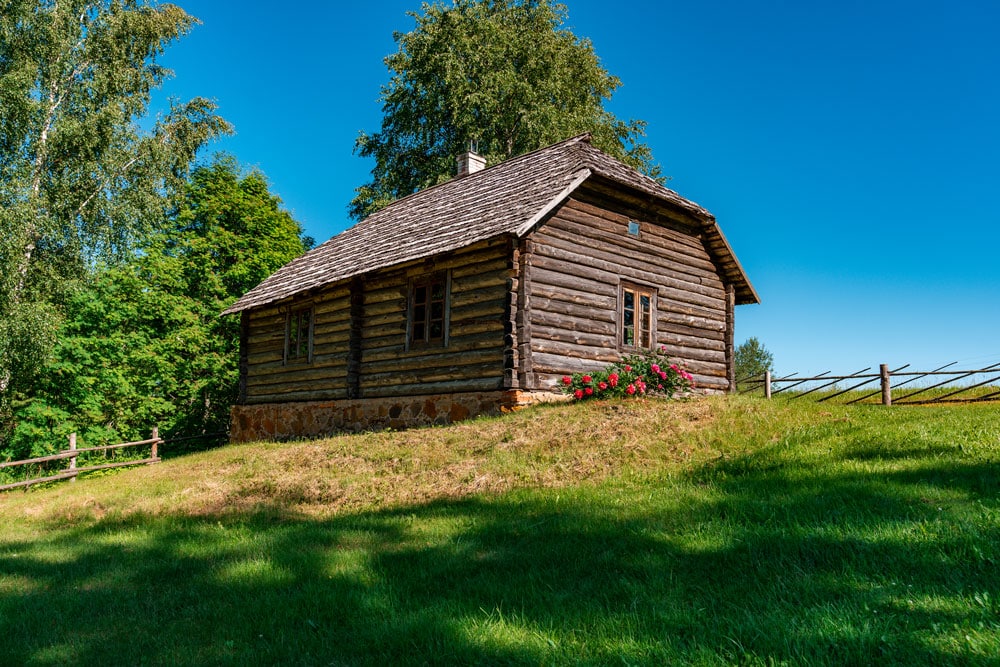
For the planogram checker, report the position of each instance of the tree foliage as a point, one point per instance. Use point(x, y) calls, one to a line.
point(80, 179)
point(753, 359)
point(505, 74)
point(142, 344)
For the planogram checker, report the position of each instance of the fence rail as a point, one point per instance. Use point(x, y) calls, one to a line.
point(73, 452)
point(889, 380)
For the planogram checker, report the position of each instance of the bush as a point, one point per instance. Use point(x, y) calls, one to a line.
point(648, 373)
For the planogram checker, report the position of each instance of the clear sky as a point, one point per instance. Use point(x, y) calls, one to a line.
point(850, 150)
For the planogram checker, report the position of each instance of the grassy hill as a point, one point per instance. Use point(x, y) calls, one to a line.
point(719, 531)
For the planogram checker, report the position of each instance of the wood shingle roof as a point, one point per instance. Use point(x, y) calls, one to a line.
point(509, 198)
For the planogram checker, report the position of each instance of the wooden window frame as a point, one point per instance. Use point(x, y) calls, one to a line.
point(639, 340)
point(297, 350)
point(418, 331)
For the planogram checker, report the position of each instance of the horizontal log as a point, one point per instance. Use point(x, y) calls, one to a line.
point(558, 307)
point(477, 310)
point(556, 278)
point(573, 269)
point(475, 327)
point(489, 263)
point(302, 394)
point(679, 257)
point(264, 358)
point(559, 364)
point(472, 371)
point(274, 338)
point(665, 235)
point(605, 355)
point(392, 294)
point(575, 295)
point(395, 306)
point(597, 327)
point(332, 301)
point(496, 280)
point(609, 194)
point(540, 332)
point(335, 330)
point(494, 294)
point(670, 320)
point(481, 348)
point(716, 342)
point(705, 368)
point(691, 354)
point(263, 376)
point(642, 272)
point(463, 257)
point(447, 387)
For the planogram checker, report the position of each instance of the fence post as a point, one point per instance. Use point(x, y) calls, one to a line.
point(72, 459)
point(883, 370)
point(767, 384)
point(156, 441)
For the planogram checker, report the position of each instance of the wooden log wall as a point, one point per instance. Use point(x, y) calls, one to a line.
point(270, 380)
point(474, 357)
point(359, 344)
point(579, 258)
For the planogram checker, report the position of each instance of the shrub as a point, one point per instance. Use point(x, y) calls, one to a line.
point(648, 373)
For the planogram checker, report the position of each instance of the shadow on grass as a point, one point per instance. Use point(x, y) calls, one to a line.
point(761, 567)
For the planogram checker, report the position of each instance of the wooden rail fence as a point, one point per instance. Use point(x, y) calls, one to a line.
point(72, 453)
point(888, 381)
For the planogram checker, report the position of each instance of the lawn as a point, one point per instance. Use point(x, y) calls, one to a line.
point(728, 530)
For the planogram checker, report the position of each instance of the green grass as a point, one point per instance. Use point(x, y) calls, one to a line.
point(724, 531)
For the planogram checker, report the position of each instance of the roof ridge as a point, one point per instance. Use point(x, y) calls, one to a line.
point(585, 138)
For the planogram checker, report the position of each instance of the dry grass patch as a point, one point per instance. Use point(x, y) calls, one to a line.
point(543, 447)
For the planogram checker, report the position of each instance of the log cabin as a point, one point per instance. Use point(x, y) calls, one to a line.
point(479, 294)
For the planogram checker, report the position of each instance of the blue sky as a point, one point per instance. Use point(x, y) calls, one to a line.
point(849, 150)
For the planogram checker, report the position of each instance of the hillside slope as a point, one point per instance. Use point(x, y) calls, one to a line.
point(717, 531)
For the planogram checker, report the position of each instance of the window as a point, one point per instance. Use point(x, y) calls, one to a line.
point(299, 336)
point(428, 311)
point(637, 317)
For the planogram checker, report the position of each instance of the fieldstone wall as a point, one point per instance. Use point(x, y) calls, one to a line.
point(309, 419)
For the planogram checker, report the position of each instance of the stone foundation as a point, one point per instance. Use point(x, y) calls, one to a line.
point(310, 419)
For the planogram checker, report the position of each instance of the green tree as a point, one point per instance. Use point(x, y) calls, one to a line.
point(753, 359)
point(80, 179)
point(143, 344)
point(504, 74)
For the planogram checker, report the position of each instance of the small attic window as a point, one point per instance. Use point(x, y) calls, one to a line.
point(633, 228)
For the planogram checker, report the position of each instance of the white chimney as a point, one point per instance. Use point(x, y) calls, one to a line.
point(470, 163)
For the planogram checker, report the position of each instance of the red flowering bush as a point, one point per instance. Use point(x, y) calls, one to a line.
point(649, 373)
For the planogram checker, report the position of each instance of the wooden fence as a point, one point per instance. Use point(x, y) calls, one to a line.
point(72, 453)
point(825, 387)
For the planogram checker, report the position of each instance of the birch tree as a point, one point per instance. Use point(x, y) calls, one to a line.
point(80, 178)
point(504, 74)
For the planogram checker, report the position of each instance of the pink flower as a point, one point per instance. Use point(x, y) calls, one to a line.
point(630, 389)
point(660, 387)
point(567, 379)
point(578, 394)
point(613, 379)
point(654, 368)
point(687, 376)
point(587, 379)
point(663, 376)
point(663, 348)
point(628, 369)
point(602, 386)
point(588, 391)
point(674, 368)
